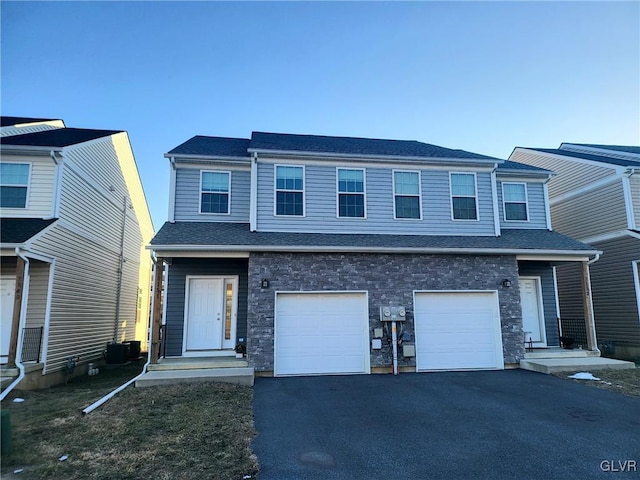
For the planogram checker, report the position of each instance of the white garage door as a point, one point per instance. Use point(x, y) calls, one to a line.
point(321, 333)
point(458, 331)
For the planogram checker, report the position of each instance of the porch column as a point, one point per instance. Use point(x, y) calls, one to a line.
point(17, 311)
point(592, 343)
point(157, 310)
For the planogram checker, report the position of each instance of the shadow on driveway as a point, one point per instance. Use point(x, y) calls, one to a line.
point(511, 424)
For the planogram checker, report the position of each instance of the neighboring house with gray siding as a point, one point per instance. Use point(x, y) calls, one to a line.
point(595, 197)
point(292, 244)
point(74, 223)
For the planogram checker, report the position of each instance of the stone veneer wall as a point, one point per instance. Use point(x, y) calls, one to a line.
point(390, 279)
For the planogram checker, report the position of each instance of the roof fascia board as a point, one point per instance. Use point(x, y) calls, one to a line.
point(513, 175)
point(186, 157)
point(605, 237)
point(469, 166)
point(28, 149)
point(573, 147)
point(338, 249)
point(616, 168)
point(360, 156)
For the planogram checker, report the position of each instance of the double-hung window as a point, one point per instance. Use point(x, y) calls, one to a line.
point(406, 193)
point(14, 184)
point(215, 188)
point(289, 190)
point(464, 201)
point(514, 197)
point(351, 193)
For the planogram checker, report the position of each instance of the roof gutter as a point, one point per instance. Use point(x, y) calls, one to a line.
point(342, 249)
point(410, 158)
point(23, 319)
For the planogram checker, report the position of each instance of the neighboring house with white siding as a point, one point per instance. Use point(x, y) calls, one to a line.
point(302, 246)
point(595, 198)
point(74, 223)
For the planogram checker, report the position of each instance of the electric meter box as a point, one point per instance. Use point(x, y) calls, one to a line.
point(393, 314)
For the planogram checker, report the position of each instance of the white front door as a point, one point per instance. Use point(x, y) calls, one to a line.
point(210, 314)
point(532, 312)
point(7, 295)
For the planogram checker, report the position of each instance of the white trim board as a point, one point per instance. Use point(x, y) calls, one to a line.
point(636, 282)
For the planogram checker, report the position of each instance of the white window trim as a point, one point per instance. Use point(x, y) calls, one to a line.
point(419, 195)
point(275, 190)
point(364, 193)
point(475, 186)
point(200, 192)
point(526, 203)
point(28, 185)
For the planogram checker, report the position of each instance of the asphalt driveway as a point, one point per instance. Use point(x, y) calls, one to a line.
point(509, 424)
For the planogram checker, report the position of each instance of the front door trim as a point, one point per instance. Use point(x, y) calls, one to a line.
point(227, 345)
point(541, 320)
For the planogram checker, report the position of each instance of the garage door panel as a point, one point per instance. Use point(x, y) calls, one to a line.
point(321, 333)
point(457, 330)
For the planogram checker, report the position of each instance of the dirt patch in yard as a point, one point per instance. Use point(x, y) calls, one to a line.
point(626, 382)
point(187, 431)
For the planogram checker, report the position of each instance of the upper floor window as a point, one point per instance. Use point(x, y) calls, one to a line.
point(351, 201)
point(464, 202)
point(215, 188)
point(289, 190)
point(14, 184)
point(406, 193)
point(514, 198)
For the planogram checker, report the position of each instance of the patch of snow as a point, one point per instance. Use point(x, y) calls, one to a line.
point(18, 400)
point(63, 458)
point(18, 470)
point(583, 376)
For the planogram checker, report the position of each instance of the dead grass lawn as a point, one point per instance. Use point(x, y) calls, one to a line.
point(626, 382)
point(172, 432)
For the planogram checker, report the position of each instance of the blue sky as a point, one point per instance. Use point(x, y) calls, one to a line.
point(480, 76)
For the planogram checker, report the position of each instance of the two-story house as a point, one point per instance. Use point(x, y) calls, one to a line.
point(595, 197)
point(74, 223)
point(293, 243)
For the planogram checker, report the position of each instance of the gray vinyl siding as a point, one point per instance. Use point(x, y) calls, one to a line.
point(41, 187)
point(187, 196)
point(570, 174)
point(569, 277)
point(536, 200)
point(593, 213)
point(544, 270)
point(179, 269)
point(614, 298)
point(320, 204)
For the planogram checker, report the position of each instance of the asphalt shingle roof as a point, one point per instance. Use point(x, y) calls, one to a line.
point(214, 146)
point(355, 146)
point(57, 138)
point(10, 121)
point(618, 148)
point(238, 235)
point(588, 156)
point(19, 230)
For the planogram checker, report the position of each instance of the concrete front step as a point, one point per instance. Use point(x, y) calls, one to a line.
point(191, 363)
point(237, 375)
point(560, 353)
point(553, 365)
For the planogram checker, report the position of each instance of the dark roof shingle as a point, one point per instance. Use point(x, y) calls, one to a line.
point(19, 230)
point(213, 146)
point(57, 138)
point(11, 121)
point(618, 148)
point(588, 156)
point(208, 234)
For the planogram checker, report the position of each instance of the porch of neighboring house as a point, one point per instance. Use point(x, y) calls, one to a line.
point(24, 303)
point(177, 356)
point(554, 343)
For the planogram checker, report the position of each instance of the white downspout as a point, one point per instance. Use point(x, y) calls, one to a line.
point(494, 196)
point(113, 393)
point(253, 198)
point(23, 318)
point(172, 190)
